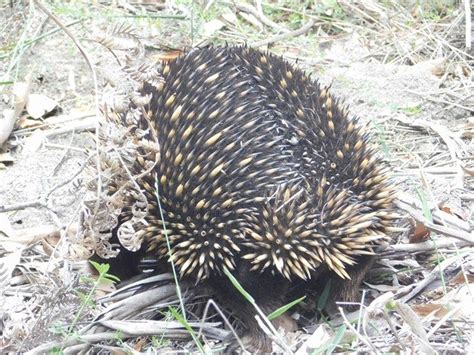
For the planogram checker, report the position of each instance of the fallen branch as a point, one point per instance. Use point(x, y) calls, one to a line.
point(302, 30)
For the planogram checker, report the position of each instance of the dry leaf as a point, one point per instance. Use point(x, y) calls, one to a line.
point(230, 17)
point(21, 91)
point(436, 309)
point(20, 97)
point(412, 320)
point(7, 265)
point(315, 341)
point(25, 122)
point(39, 105)
point(421, 233)
point(6, 124)
point(34, 142)
point(6, 158)
point(71, 80)
point(211, 27)
point(50, 242)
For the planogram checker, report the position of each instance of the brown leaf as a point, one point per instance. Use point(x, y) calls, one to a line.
point(438, 310)
point(25, 122)
point(49, 243)
point(420, 235)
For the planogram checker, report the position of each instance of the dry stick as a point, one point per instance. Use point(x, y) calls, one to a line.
point(258, 14)
point(20, 98)
point(410, 205)
point(82, 119)
point(467, 10)
point(451, 232)
point(425, 246)
point(359, 335)
point(300, 31)
point(90, 338)
point(432, 276)
point(210, 303)
point(28, 236)
point(43, 200)
point(96, 90)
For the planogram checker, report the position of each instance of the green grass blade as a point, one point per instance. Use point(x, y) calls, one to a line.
point(186, 325)
point(278, 312)
point(238, 286)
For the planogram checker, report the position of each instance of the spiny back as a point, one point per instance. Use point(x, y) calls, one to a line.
point(258, 164)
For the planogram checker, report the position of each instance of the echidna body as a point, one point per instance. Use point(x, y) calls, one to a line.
point(260, 170)
point(259, 165)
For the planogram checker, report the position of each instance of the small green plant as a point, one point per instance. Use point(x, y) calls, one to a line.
point(424, 204)
point(55, 351)
point(186, 325)
point(411, 110)
point(87, 299)
point(58, 329)
point(118, 337)
point(382, 140)
point(159, 342)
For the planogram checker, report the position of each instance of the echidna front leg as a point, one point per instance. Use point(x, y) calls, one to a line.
point(347, 290)
point(254, 338)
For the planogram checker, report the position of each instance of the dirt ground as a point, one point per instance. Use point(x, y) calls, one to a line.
point(409, 79)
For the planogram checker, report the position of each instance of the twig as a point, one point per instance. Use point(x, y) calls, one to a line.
point(300, 31)
point(432, 276)
point(85, 125)
point(43, 200)
point(467, 10)
point(258, 13)
point(19, 98)
point(26, 131)
point(210, 303)
point(451, 232)
point(359, 335)
point(96, 91)
point(425, 246)
point(457, 148)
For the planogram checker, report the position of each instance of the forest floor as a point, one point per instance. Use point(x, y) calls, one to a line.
point(405, 70)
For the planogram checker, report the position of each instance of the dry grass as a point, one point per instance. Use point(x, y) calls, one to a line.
point(419, 296)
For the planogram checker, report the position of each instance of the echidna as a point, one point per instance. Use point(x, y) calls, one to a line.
point(258, 169)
